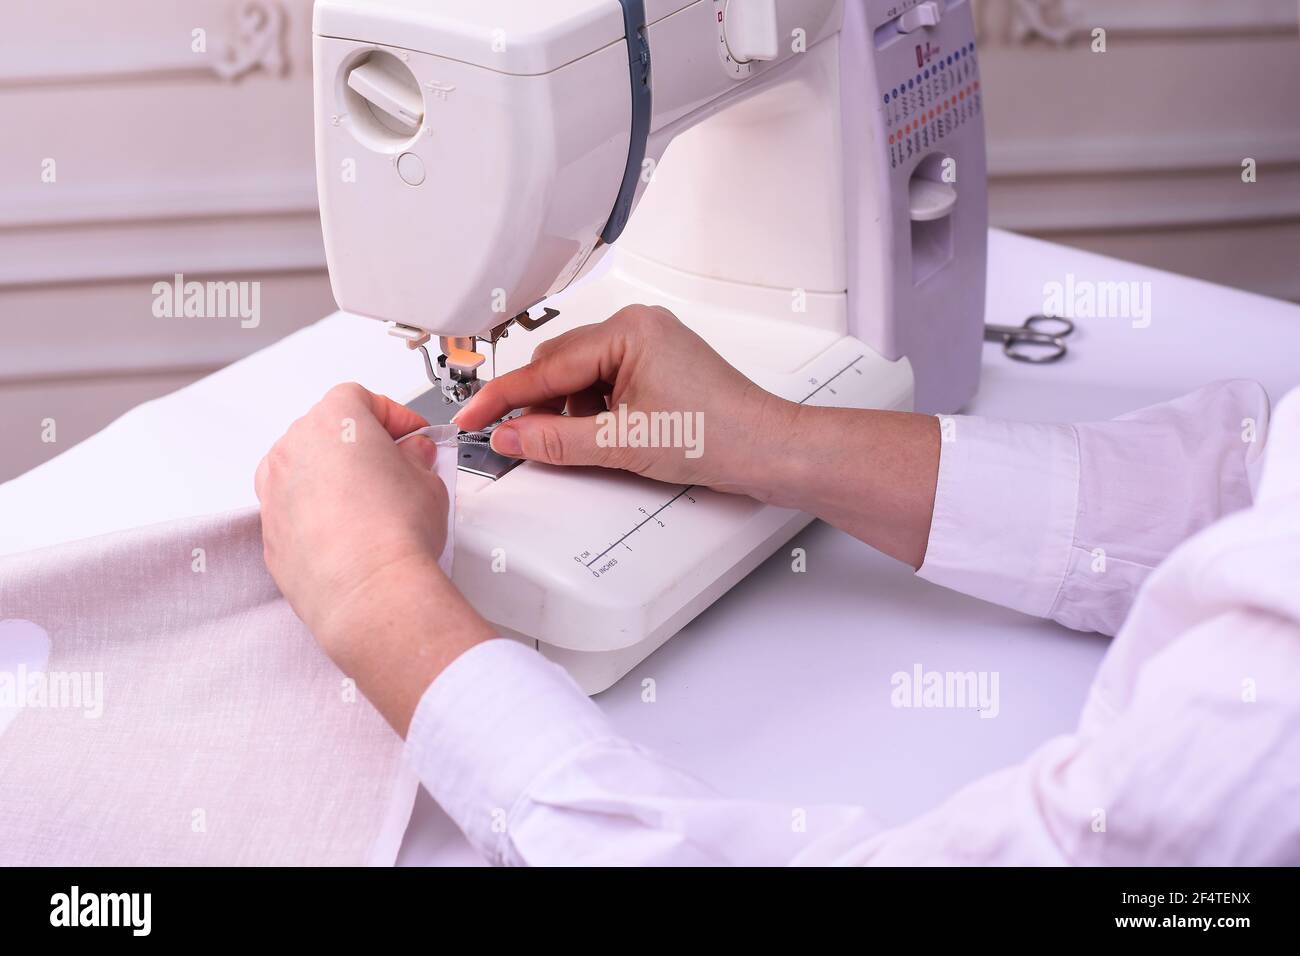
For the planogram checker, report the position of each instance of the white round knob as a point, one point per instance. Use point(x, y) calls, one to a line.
point(751, 30)
point(411, 168)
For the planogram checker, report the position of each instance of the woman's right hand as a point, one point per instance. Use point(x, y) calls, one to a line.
point(641, 365)
point(871, 473)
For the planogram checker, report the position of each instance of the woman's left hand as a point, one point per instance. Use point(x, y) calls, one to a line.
point(352, 527)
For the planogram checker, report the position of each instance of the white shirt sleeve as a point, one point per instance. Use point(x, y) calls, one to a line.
point(1188, 750)
point(534, 774)
point(1067, 521)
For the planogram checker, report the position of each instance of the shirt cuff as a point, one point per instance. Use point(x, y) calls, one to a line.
point(1004, 511)
point(498, 718)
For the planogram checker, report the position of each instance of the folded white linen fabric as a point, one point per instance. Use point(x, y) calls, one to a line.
point(447, 438)
point(185, 715)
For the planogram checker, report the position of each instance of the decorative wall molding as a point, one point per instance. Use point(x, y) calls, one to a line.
point(221, 39)
point(1047, 204)
point(159, 171)
point(1108, 152)
point(1055, 20)
point(246, 195)
point(135, 149)
point(1138, 152)
point(1063, 22)
point(221, 245)
point(258, 42)
point(108, 329)
point(1249, 256)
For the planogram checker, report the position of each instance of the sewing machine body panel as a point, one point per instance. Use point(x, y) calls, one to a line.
point(806, 188)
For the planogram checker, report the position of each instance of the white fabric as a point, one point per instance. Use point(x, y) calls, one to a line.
point(1188, 751)
point(446, 437)
point(207, 727)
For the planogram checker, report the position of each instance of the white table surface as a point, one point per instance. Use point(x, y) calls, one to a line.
point(781, 690)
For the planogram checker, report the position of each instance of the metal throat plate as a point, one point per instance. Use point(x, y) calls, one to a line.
point(476, 455)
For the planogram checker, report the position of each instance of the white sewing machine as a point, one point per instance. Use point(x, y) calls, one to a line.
point(820, 220)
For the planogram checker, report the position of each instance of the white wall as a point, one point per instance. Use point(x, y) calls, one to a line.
point(1137, 152)
point(170, 160)
point(166, 160)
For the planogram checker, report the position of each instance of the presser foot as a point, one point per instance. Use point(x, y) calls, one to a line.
point(455, 373)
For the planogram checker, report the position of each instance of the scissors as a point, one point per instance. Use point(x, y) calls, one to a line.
point(1039, 341)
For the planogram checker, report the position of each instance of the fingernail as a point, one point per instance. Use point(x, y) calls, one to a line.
point(505, 441)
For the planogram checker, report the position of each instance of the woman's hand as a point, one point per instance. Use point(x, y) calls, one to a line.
point(871, 473)
point(342, 504)
point(646, 362)
point(352, 527)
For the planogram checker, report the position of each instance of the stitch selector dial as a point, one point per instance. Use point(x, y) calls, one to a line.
point(747, 33)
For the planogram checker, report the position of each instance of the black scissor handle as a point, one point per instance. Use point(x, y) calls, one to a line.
point(1053, 325)
point(1036, 348)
